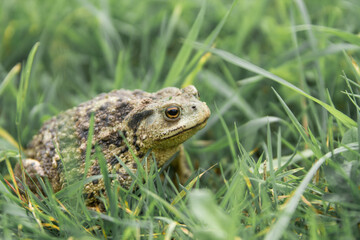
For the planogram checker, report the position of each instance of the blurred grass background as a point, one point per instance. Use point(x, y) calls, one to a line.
point(89, 47)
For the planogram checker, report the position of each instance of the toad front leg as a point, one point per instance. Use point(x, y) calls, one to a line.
point(181, 167)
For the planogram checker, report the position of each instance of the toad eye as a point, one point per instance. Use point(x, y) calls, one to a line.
point(197, 95)
point(172, 112)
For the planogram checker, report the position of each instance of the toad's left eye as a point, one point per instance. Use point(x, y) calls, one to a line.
point(197, 95)
point(172, 112)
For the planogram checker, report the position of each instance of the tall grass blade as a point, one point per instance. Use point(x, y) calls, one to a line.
point(24, 83)
point(200, 58)
point(228, 135)
point(173, 76)
point(281, 224)
point(5, 135)
point(299, 127)
point(89, 143)
point(269, 151)
point(13, 72)
point(107, 181)
point(349, 37)
point(20, 101)
point(164, 42)
point(253, 68)
point(188, 187)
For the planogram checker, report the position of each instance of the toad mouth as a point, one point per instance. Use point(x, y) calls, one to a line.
point(201, 125)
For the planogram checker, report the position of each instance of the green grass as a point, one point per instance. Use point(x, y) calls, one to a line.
point(279, 158)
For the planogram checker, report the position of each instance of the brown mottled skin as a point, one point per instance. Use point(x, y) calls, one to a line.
point(148, 121)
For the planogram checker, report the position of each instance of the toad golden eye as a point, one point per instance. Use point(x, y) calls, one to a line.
point(172, 112)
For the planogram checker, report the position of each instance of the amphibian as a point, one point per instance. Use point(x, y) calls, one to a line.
point(158, 122)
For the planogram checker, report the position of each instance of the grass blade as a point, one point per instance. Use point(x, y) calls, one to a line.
point(24, 82)
point(201, 57)
point(299, 127)
point(189, 186)
point(281, 224)
point(258, 70)
point(107, 181)
point(13, 72)
point(349, 37)
point(5, 135)
point(173, 76)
